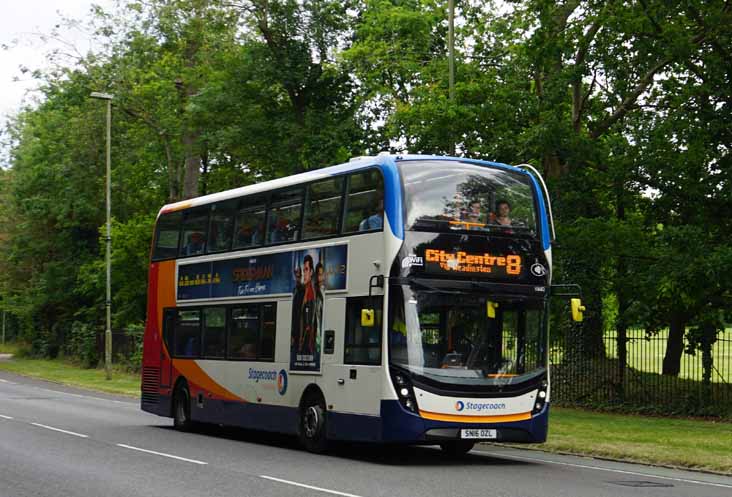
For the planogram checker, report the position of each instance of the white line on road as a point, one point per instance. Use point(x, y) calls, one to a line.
point(5, 417)
point(599, 468)
point(80, 435)
point(319, 489)
point(194, 461)
point(6, 381)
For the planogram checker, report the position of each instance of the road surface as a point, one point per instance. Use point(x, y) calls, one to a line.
point(59, 441)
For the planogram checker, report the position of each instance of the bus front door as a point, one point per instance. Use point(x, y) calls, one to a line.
point(350, 388)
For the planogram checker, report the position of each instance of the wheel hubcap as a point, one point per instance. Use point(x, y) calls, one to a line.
point(310, 422)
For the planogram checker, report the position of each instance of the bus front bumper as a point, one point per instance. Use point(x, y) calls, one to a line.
point(402, 426)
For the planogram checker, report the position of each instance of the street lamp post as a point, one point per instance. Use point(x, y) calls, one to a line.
point(451, 61)
point(108, 304)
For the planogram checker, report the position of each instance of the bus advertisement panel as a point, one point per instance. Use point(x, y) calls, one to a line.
point(306, 274)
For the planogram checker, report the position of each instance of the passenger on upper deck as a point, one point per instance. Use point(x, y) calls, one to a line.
point(195, 244)
point(503, 211)
point(474, 215)
point(374, 221)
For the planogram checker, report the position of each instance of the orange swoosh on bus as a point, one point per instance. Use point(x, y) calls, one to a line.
point(194, 374)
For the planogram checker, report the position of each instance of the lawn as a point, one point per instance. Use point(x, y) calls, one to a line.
point(9, 348)
point(62, 372)
point(687, 443)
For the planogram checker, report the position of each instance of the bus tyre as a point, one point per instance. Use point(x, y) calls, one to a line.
point(312, 424)
point(182, 409)
point(457, 447)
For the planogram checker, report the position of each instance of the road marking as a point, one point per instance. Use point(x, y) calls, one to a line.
point(80, 435)
point(319, 489)
point(6, 381)
point(5, 417)
point(609, 470)
point(194, 461)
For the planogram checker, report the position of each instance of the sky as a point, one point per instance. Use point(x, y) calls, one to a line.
point(21, 24)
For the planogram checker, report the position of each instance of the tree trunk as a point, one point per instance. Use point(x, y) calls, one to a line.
point(674, 344)
point(192, 163)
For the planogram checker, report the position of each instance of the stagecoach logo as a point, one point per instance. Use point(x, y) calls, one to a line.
point(538, 269)
point(412, 260)
point(479, 406)
point(282, 382)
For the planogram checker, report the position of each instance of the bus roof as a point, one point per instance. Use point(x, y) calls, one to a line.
point(383, 161)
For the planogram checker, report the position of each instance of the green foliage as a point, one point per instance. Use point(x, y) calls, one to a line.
point(81, 344)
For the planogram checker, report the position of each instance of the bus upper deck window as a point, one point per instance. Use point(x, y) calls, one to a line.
point(221, 227)
point(250, 221)
point(195, 228)
point(284, 216)
point(323, 208)
point(167, 233)
point(365, 202)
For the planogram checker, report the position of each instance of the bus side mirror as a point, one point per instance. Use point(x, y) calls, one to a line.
point(367, 318)
point(577, 310)
point(490, 309)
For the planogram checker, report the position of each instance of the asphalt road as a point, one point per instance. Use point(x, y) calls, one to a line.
point(58, 441)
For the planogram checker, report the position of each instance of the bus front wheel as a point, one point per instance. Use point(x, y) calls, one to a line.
point(457, 447)
point(312, 424)
point(182, 409)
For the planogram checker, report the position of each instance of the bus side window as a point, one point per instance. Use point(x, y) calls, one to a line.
point(284, 216)
point(323, 208)
point(214, 332)
point(250, 220)
point(243, 332)
point(267, 335)
point(363, 344)
point(167, 233)
point(187, 334)
point(365, 202)
point(221, 228)
point(195, 227)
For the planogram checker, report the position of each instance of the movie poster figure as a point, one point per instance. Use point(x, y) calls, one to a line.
point(307, 310)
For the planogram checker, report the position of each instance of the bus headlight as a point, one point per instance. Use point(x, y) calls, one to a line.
point(540, 398)
point(404, 390)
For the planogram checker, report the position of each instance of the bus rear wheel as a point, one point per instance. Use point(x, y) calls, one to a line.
point(311, 431)
point(457, 447)
point(182, 409)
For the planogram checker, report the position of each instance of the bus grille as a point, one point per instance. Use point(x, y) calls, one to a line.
point(150, 378)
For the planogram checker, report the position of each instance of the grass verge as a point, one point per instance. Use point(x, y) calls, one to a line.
point(10, 348)
point(62, 372)
point(684, 443)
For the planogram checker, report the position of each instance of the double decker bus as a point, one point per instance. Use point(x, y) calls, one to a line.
point(391, 299)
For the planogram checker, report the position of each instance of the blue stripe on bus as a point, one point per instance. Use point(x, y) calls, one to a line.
point(393, 204)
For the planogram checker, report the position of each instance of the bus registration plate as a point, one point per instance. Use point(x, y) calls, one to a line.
point(481, 433)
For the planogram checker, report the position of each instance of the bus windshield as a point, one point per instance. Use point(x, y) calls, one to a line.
point(448, 336)
point(457, 196)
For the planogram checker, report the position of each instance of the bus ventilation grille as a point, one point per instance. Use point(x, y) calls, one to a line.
point(150, 377)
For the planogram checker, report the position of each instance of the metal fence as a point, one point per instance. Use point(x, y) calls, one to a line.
point(581, 380)
point(124, 343)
